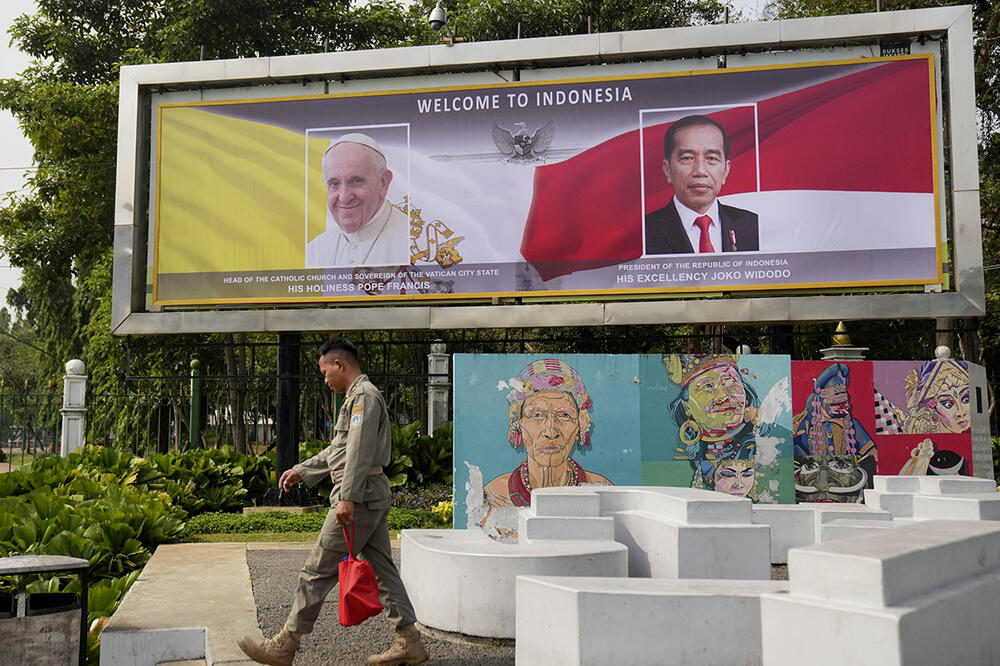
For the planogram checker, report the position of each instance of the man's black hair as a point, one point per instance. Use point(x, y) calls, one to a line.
point(340, 345)
point(692, 121)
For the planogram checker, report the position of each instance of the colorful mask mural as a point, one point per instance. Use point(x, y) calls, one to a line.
point(731, 418)
point(835, 456)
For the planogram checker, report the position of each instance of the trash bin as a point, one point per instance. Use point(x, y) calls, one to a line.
point(53, 629)
point(46, 603)
point(48, 634)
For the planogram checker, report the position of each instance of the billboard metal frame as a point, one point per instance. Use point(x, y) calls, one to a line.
point(953, 24)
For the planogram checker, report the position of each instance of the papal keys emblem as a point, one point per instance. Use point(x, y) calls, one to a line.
point(522, 146)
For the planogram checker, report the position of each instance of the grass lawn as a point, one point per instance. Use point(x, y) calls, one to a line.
point(263, 537)
point(252, 536)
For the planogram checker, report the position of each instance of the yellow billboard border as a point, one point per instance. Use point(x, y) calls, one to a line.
point(595, 294)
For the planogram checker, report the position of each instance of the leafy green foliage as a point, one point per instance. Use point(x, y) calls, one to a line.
point(420, 458)
point(480, 20)
point(410, 519)
point(264, 521)
point(283, 521)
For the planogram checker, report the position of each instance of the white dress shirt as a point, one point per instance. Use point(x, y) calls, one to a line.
point(688, 217)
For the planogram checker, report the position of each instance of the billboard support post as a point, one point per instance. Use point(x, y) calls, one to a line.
point(287, 407)
point(194, 426)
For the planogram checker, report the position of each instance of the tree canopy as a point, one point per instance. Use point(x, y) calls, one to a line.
point(59, 232)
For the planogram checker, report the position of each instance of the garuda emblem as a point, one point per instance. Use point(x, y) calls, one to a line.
point(521, 146)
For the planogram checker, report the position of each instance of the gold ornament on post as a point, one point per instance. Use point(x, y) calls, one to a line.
point(840, 336)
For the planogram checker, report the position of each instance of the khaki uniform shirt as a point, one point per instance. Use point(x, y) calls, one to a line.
point(362, 439)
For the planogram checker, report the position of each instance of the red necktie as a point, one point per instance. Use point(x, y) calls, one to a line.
point(705, 242)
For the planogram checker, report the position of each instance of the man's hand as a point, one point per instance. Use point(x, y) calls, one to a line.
point(288, 479)
point(345, 512)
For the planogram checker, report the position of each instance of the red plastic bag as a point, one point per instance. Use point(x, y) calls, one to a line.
point(358, 587)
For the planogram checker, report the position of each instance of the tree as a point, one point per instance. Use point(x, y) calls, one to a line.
point(986, 27)
point(481, 20)
point(60, 233)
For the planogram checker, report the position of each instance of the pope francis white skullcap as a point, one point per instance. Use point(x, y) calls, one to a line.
point(358, 137)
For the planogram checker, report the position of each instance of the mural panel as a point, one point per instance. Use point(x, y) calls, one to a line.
point(835, 453)
point(525, 422)
point(726, 424)
point(923, 417)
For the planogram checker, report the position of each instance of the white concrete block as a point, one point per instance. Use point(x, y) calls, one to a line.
point(168, 615)
point(600, 621)
point(897, 484)
point(661, 548)
point(900, 505)
point(539, 528)
point(954, 625)
point(888, 568)
point(845, 529)
point(847, 512)
point(684, 505)
point(463, 581)
point(792, 526)
point(957, 507)
point(956, 485)
point(566, 501)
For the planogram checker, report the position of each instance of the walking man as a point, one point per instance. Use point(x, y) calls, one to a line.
point(360, 449)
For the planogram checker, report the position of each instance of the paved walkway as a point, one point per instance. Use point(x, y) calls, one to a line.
point(194, 598)
point(274, 570)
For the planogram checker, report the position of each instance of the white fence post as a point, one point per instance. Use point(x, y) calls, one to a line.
point(438, 386)
point(74, 409)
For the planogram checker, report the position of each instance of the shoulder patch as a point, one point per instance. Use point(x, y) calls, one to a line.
point(356, 418)
point(356, 408)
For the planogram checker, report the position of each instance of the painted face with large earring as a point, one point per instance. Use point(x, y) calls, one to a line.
point(716, 402)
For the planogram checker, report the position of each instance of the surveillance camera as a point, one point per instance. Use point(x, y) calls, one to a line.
point(438, 17)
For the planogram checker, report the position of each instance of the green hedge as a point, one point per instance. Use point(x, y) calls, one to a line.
point(282, 521)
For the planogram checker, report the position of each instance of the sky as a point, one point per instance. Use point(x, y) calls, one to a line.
point(15, 150)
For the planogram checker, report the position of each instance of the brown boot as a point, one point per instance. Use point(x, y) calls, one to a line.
point(406, 650)
point(279, 650)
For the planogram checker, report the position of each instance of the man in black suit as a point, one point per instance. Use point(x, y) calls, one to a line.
point(696, 163)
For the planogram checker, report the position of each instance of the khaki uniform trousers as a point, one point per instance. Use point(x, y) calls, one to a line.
point(320, 573)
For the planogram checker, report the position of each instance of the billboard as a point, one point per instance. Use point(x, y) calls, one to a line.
point(579, 180)
point(782, 176)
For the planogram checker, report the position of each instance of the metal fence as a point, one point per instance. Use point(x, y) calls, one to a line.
point(152, 413)
point(30, 421)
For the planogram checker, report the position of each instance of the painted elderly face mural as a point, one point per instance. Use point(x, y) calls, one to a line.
point(833, 451)
point(549, 427)
point(549, 414)
point(717, 401)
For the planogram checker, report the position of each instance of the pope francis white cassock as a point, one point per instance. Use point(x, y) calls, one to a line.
point(363, 228)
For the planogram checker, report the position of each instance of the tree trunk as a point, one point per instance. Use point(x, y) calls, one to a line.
point(236, 368)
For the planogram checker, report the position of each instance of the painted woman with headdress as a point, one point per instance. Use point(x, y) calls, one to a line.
point(937, 397)
point(715, 412)
point(549, 415)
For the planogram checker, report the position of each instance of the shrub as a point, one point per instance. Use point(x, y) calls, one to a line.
point(408, 519)
point(265, 521)
point(421, 497)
